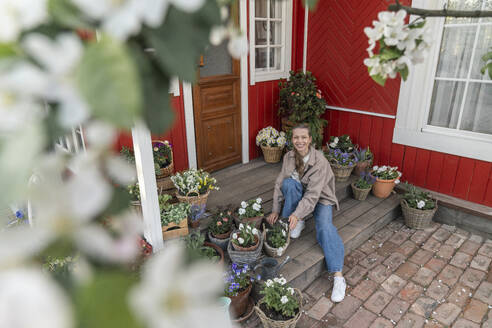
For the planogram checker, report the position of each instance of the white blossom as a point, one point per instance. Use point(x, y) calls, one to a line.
point(291, 290)
point(256, 207)
point(279, 251)
point(241, 211)
point(238, 45)
point(269, 283)
point(19, 15)
point(254, 231)
point(284, 299)
point(241, 226)
point(283, 233)
point(258, 200)
point(397, 181)
point(243, 204)
point(240, 240)
point(420, 204)
point(282, 281)
point(234, 236)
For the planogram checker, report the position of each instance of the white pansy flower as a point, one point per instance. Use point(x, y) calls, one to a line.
point(248, 227)
point(241, 226)
point(241, 211)
point(29, 298)
point(284, 299)
point(276, 279)
point(399, 173)
point(258, 200)
point(282, 281)
point(171, 294)
point(244, 204)
point(397, 181)
point(19, 15)
point(283, 233)
point(291, 290)
point(240, 240)
point(254, 231)
point(269, 283)
point(279, 251)
point(256, 207)
point(420, 204)
point(234, 236)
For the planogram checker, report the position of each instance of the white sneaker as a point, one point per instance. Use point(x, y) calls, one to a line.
point(296, 232)
point(338, 292)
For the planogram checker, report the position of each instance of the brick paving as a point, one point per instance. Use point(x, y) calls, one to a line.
point(437, 277)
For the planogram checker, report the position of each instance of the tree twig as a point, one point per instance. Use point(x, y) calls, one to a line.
point(439, 13)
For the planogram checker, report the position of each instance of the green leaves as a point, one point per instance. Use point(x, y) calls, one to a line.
point(64, 13)
point(403, 72)
point(487, 58)
point(310, 3)
point(109, 82)
point(387, 53)
point(377, 77)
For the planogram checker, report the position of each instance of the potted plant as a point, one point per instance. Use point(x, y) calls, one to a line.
point(245, 244)
point(250, 212)
point(272, 144)
point(418, 207)
point(220, 228)
point(342, 163)
point(343, 143)
point(238, 284)
point(196, 213)
point(364, 158)
point(197, 248)
point(277, 239)
point(193, 186)
point(363, 185)
point(174, 220)
point(281, 305)
point(386, 179)
point(163, 158)
point(134, 192)
point(300, 101)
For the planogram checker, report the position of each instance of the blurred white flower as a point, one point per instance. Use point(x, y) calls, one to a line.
point(240, 240)
point(29, 298)
point(420, 204)
point(243, 204)
point(269, 283)
point(241, 211)
point(254, 231)
point(284, 299)
point(100, 135)
point(241, 226)
point(218, 34)
point(120, 170)
point(258, 200)
point(397, 181)
point(173, 295)
point(256, 207)
point(19, 15)
point(234, 236)
point(282, 281)
point(279, 251)
point(238, 45)
point(291, 290)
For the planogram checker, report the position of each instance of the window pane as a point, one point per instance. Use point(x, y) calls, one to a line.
point(477, 115)
point(487, 6)
point(446, 103)
point(261, 33)
point(483, 46)
point(276, 8)
point(455, 53)
point(276, 33)
point(463, 5)
point(261, 8)
point(260, 58)
point(275, 58)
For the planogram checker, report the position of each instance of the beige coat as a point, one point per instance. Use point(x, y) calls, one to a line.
point(317, 181)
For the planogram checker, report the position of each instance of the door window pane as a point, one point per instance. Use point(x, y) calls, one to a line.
point(217, 61)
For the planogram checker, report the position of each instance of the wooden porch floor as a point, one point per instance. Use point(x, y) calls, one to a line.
point(356, 221)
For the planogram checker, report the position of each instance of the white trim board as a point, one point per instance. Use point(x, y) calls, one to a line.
point(190, 124)
point(342, 109)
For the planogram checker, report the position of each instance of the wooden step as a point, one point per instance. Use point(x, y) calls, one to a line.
point(356, 222)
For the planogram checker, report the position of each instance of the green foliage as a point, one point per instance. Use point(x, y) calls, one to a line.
point(301, 101)
point(417, 198)
point(109, 82)
point(134, 192)
point(487, 58)
point(60, 268)
point(279, 297)
point(246, 236)
point(363, 154)
point(237, 279)
point(121, 199)
point(277, 235)
point(250, 209)
point(175, 213)
point(365, 181)
point(221, 223)
point(343, 142)
point(194, 182)
point(163, 154)
point(66, 14)
point(196, 249)
point(164, 202)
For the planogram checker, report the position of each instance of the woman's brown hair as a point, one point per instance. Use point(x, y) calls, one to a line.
point(298, 157)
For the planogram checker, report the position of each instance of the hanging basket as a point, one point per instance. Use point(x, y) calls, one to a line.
point(270, 323)
point(247, 257)
point(341, 172)
point(173, 230)
point(415, 218)
point(272, 251)
point(168, 170)
point(200, 200)
point(272, 154)
point(360, 194)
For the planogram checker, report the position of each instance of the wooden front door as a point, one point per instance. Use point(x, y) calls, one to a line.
point(217, 110)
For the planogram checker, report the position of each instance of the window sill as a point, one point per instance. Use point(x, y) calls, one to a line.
point(270, 76)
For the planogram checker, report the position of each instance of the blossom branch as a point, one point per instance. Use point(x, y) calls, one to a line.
point(439, 13)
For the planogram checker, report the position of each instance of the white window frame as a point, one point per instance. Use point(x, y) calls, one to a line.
point(414, 102)
point(286, 41)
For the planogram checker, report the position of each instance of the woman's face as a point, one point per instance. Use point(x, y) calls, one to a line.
point(301, 140)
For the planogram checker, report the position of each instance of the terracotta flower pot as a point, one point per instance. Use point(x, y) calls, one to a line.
point(240, 302)
point(246, 249)
point(383, 188)
point(218, 250)
point(224, 235)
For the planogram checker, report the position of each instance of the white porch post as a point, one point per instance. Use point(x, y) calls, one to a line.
point(144, 161)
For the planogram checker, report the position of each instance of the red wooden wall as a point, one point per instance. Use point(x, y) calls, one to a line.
point(176, 136)
point(336, 49)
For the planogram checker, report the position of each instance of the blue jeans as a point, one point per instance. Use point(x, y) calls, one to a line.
point(326, 232)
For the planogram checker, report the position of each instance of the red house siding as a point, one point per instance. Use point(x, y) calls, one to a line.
point(176, 136)
point(336, 49)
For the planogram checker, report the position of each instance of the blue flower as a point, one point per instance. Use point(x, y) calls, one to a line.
point(19, 214)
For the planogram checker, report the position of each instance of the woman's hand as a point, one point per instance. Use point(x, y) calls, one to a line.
point(292, 222)
point(272, 218)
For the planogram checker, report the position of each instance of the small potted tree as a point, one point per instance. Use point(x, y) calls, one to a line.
point(276, 239)
point(193, 186)
point(250, 212)
point(245, 244)
point(281, 305)
point(362, 186)
point(418, 207)
point(272, 144)
point(386, 179)
point(342, 163)
point(364, 158)
point(220, 228)
point(238, 285)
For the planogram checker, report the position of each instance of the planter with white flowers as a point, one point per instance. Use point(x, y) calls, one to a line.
point(418, 207)
point(272, 144)
point(245, 244)
point(276, 239)
point(281, 305)
point(194, 186)
point(386, 179)
point(250, 212)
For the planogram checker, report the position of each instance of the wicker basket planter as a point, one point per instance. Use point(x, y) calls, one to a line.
point(341, 172)
point(245, 257)
point(415, 218)
point(360, 194)
point(257, 220)
point(272, 154)
point(200, 200)
point(272, 251)
point(168, 170)
point(246, 249)
point(383, 188)
point(173, 230)
point(221, 242)
point(270, 323)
